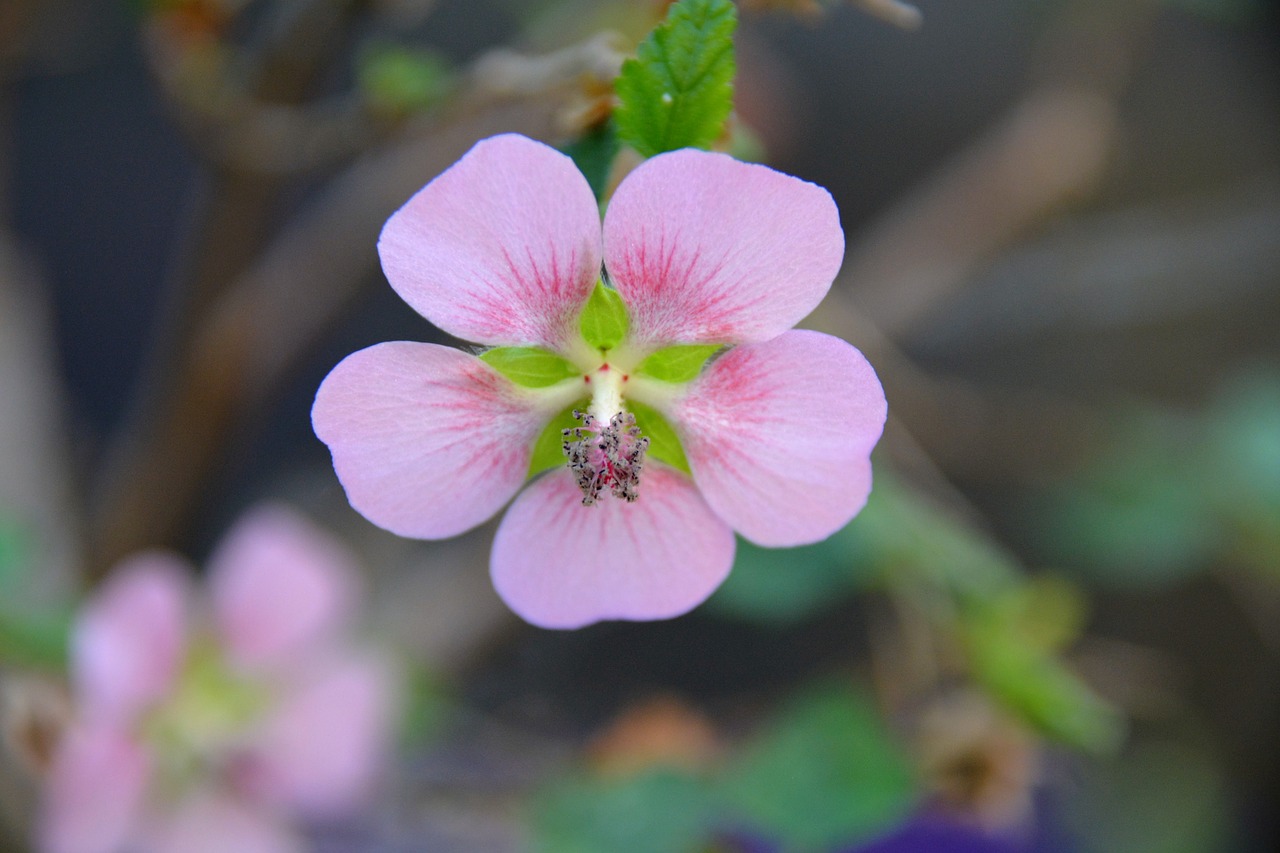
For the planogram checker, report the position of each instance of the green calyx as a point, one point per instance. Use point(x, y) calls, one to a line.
point(677, 364)
point(604, 322)
point(603, 325)
point(548, 450)
point(664, 444)
point(530, 367)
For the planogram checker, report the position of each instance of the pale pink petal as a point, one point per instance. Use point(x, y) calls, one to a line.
point(779, 436)
point(321, 748)
point(560, 564)
point(706, 249)
point(502, 248)
point(208, 822)
point(129, 641)
point(280, 587)
point(94, 793)
point(428, 441)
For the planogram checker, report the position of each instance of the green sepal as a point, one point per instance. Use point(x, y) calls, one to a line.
point(678, 363)
point(529, 366)
point(664, 444)
point(678, 89)
point(604, 320)
point(548, 450)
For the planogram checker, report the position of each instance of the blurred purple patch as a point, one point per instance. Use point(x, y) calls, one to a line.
point(936, 834)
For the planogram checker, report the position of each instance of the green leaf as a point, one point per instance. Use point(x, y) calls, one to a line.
point(1010, 660)
point(14, 554)
point(1138, 515)
point(402, 80)
point(548, 450)
point(678, 363)
point(426, 706)
point(34, 640)
point(664, 444)
point(678, 90)
point(530, 366)
point(659, 811)
point(593, 153)
point(827, 773)
point(604, 320)
point(1162, 796)
point(897, 535)
point(782, 586)
point(898, 529)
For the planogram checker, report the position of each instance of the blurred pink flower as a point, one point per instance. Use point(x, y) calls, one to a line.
point(505, 248)
point(208, 728)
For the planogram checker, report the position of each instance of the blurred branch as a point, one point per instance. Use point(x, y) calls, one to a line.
point(975, 432)
point(1049, 150)
point(35, 498)
point(1126, 269)
point(35, 483)
point(280, 305)
point(894, 12)
point(244, 114)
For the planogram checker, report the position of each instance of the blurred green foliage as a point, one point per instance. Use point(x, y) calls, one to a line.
point(898, 537)
point(403, 80)
point(658, 811)
point(28, 638)
point(1171, 495)
point(1012, 642)
point(34, 640)
point(1012, 628)
point(1159, 797)
point(427, 704)
point(593, 153)
point(13, 553)
point(824, 771)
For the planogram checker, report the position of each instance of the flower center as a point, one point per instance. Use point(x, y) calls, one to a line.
point(607, 451)
point(208, 714)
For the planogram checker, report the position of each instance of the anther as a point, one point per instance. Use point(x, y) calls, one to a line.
point(609, 456)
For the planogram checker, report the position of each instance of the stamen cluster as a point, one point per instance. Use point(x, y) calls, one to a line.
point(606, 456)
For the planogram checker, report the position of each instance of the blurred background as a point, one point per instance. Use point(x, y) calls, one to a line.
point(1055, 627)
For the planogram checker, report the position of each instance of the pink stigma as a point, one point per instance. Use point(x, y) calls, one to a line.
point(606, 456)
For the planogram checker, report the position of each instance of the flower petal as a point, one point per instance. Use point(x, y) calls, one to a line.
point(209, 822)
point(501, 248)
point(322, 746)
point(779, 436)
point(560, 564)
point(280, 587)
point(428, 441)
point(706, 249)
point(129, 640)
point(94, 793)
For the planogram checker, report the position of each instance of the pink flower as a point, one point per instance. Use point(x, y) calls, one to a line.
point(206, 729)
point(635, 519)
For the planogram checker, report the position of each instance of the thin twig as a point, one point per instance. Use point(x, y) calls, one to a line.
point(275, 310)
